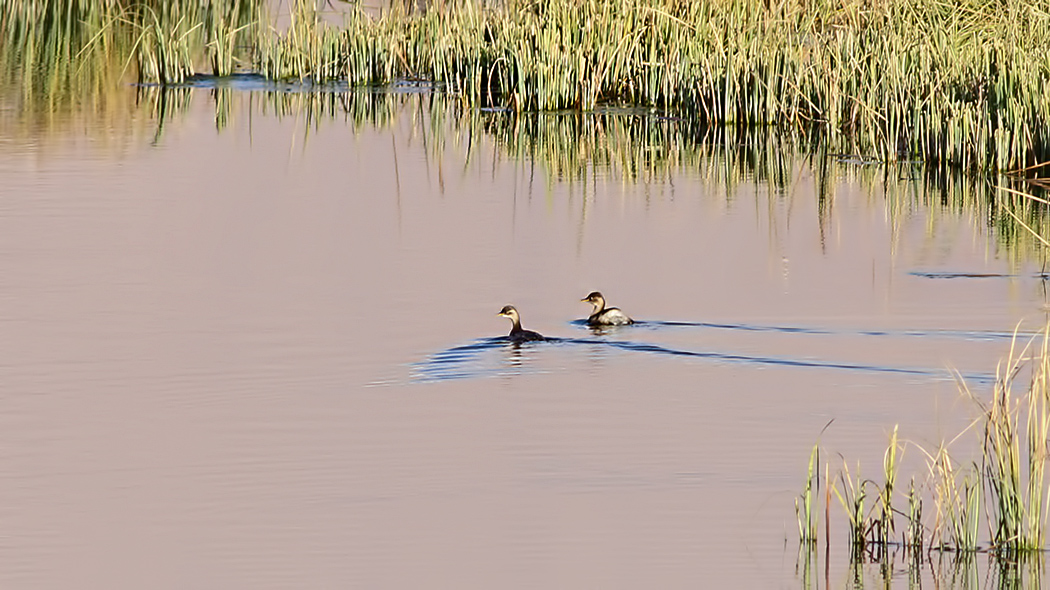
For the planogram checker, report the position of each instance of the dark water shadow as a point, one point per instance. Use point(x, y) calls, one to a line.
point(787, 361)
point(977, 335)
point(977, 275)
point(251, 82)
point(474, 360)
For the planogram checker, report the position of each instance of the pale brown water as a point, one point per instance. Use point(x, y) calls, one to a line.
point(226, 358)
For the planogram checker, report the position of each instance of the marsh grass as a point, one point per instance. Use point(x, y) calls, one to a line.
point(883, 527)
point(67, 66)
point(915, 534)
point(65, 46)
point(1015, 442)
point(957, 84)
point(806, 503)
point(57, 59)
point(852, 492)
point(1004, 489)
point(957, 495)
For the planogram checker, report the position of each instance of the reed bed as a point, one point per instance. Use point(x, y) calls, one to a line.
point(1003, 493)
point(155, 41)
point(68, 65)
point(959, 83)
point(47, 70)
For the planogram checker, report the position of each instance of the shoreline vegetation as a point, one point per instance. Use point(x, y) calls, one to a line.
point(737, 90)
point(958, 84)
point(683, 81)
point(995, 502)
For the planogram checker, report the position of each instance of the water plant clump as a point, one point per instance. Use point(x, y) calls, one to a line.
point(807, 502)
point(1015, 451)
point(1003, 491)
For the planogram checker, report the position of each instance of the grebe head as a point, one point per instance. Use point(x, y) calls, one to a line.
point(595, 299)
point(508, 311)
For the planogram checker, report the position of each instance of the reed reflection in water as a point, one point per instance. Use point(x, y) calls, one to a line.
point(214, 335)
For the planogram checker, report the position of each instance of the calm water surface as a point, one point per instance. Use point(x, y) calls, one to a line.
point(263, 355)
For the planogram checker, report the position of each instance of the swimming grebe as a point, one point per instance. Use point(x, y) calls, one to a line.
point(600, 316)
point(517, 333)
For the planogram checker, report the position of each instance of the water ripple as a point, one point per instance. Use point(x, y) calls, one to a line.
point(472, 361)
point(974, 275)
point(964, 334)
